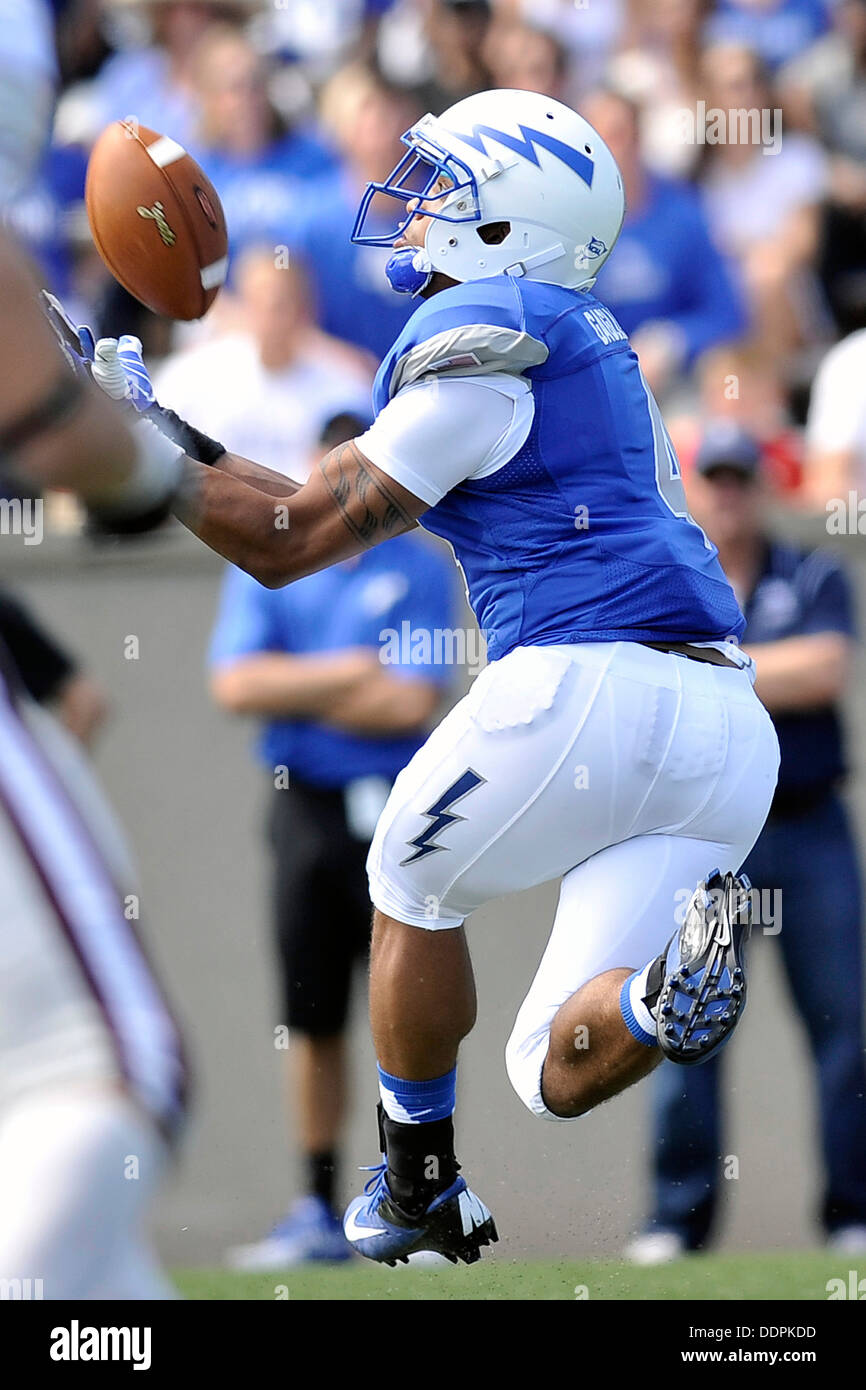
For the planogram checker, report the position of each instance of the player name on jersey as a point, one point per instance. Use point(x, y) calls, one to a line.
point(605, 325)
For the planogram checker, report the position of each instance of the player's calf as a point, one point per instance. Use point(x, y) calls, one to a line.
point(591, 1054)
point(684, 1004)
point(422, 1003)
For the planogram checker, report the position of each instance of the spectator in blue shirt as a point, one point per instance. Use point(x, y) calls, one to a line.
point(776, 29)
point(354, 300)
point(48, 215)
point(800, 630)
point(339, 721)
point(668, 284)
point(261, 168)
point(153, 83)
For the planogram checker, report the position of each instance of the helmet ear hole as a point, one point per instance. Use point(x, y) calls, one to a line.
point(494, 233)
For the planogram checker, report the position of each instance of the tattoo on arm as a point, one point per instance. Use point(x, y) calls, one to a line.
point(366, 504)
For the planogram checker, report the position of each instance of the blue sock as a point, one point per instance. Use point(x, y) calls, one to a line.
point(418, 1102)
point(635, 1014)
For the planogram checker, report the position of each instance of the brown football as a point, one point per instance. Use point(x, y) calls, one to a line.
point(157, 220)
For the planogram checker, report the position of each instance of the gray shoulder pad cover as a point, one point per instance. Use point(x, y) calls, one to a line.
point(471, 349)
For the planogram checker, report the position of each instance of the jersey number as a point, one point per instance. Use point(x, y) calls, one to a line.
point(669, 479)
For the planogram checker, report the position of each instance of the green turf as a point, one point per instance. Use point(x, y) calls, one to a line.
point(726, 1277)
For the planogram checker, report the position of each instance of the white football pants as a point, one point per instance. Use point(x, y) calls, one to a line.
point(626, 772)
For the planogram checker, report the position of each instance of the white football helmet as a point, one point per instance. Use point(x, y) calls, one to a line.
point(510, 157)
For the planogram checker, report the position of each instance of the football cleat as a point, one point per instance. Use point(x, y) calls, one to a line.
point(655, 1248)
point(309, 1233)
point(455, 1225)
point(700, 992)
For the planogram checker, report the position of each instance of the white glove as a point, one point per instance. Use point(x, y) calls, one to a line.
point(107, 370)
point(145, 498)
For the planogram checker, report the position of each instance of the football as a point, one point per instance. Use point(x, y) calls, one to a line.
point(156, 220)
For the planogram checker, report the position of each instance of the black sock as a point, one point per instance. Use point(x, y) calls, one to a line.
point(421, 1161)
point(322, 1175)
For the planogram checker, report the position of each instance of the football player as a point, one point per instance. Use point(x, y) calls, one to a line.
point(614, 741)
point(91, 1071)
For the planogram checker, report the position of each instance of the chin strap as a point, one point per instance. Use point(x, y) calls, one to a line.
point(409, 270)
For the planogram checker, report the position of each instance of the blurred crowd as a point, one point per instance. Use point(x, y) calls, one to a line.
point(739, 125)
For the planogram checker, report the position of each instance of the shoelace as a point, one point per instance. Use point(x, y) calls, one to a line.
point(375, 1185)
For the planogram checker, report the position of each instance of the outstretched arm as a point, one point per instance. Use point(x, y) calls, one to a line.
point(257, 476)
point(347, 506)
point(56, 429)
point(245, 511)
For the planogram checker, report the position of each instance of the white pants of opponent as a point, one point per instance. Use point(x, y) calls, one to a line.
point(91, 1073)
point(626, 772)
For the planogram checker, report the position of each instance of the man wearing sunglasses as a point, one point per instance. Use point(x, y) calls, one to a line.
point(800, 630)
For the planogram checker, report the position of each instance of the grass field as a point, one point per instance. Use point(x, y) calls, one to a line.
point(792, 1276)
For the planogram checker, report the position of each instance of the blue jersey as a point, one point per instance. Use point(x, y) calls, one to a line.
point(777, 33)
point(584, 535)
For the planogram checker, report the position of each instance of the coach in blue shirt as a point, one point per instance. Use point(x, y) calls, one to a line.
point(800, 630)
point(345, 669)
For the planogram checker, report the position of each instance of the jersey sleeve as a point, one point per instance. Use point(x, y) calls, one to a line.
point(473, 329)
point(441, 431)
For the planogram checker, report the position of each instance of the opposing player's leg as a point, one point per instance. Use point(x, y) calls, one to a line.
point(91, 1074)
point(79, 1168)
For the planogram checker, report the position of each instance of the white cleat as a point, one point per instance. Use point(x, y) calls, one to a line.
point(427, 1259)
point(848, 1240)
point(309, 1233)
point(655, 1248)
